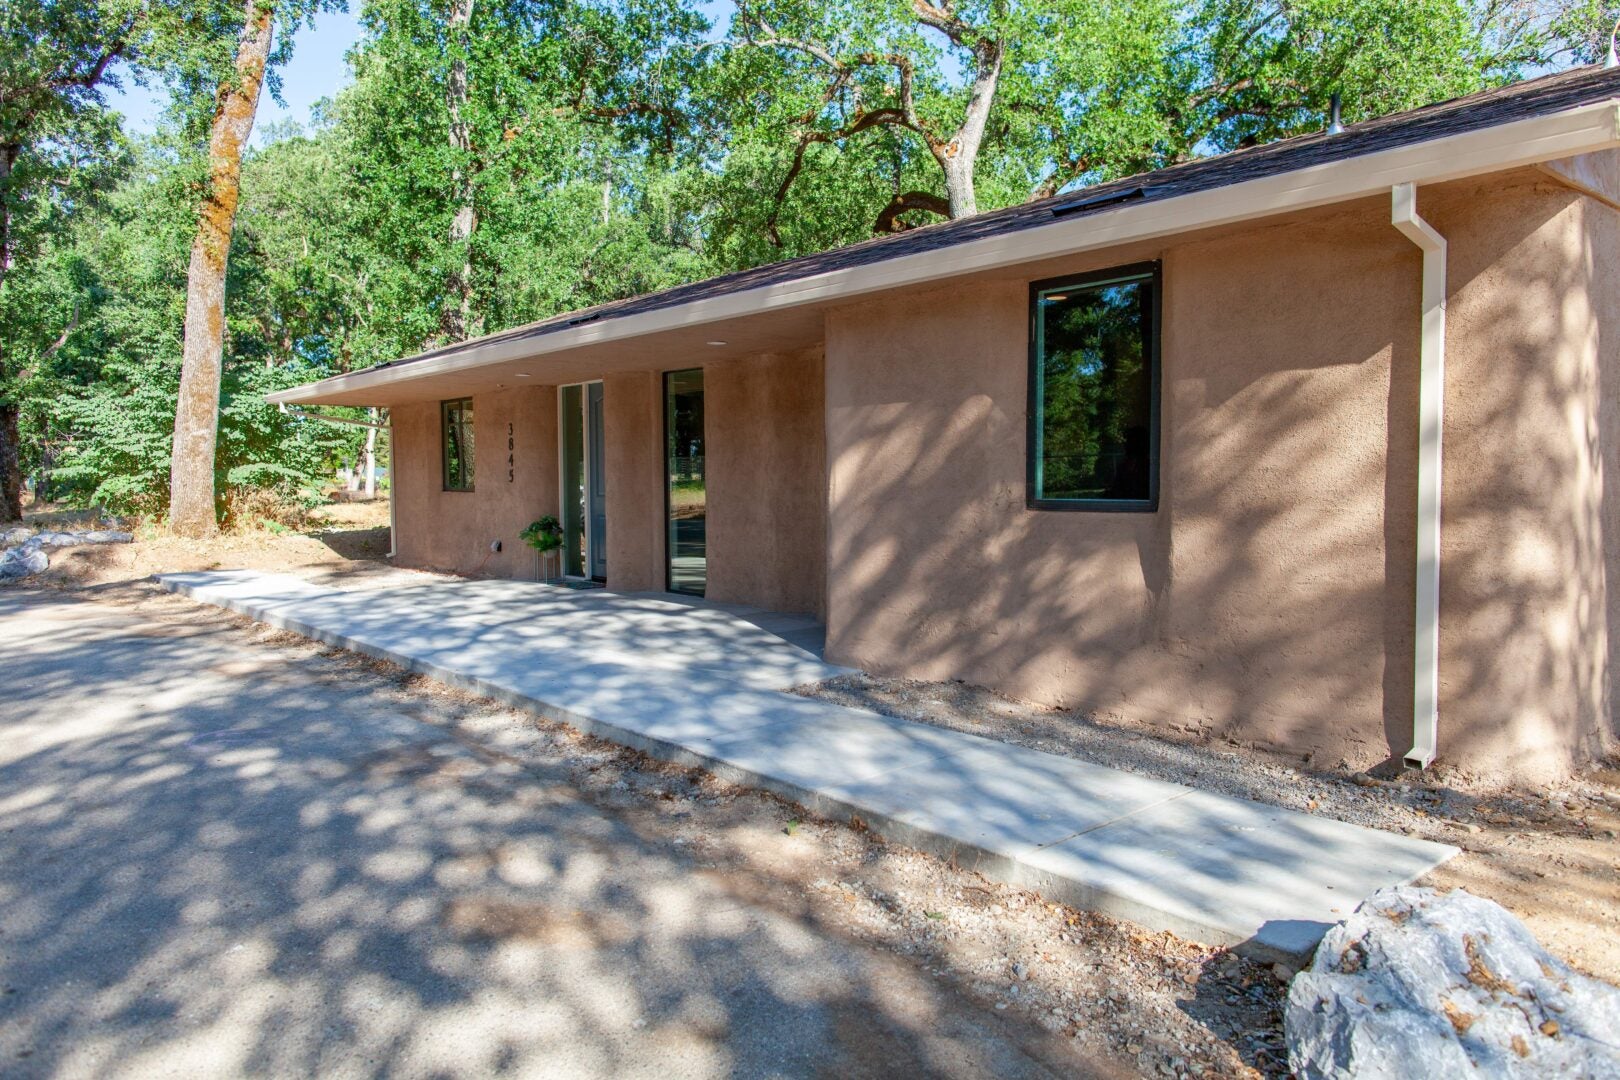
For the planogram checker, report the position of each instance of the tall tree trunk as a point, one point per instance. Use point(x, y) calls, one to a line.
point(960, 156)
point(196, 420)
point(10, 469)
point(461, 321)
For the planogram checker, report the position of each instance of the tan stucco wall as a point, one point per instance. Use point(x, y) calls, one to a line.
point(1524, 604)
point(632, 407)
point(452, 530)
point(766, 464)
point(1603, 268)
point(767, 530)
point(1270, 596)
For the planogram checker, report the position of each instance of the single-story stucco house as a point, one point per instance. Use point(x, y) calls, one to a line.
point(1168, 449)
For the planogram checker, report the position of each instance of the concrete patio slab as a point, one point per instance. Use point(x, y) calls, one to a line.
point(1210, 861)
point(1006, 800)
point(699, 684)
point(808, 748)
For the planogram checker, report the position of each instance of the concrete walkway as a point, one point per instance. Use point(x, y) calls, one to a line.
point(700, 685)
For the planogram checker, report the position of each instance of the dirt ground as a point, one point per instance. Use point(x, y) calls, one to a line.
point(339, 542)
point(1175, 1007)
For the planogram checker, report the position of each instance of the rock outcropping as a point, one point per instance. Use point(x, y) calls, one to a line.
point(1419, 983)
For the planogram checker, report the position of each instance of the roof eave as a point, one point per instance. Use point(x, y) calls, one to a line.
point(1452, 157)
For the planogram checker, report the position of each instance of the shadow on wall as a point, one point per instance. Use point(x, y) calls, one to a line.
point(1271, 597)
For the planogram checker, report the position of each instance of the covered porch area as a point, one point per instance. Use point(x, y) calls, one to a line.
point(693, 463)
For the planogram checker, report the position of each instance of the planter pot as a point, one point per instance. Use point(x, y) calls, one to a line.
point(548, 567)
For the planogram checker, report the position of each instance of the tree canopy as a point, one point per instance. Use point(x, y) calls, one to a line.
point(492, 162)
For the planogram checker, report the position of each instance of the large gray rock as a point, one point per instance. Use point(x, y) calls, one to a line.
point(106, 536)
point(15, 535)
point(21, 562)
point(53, 538)
point(1419, 983)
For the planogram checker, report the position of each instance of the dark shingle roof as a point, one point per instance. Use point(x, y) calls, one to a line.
point(1489, 108)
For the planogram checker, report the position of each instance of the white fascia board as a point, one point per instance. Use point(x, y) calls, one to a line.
point(1451, 157)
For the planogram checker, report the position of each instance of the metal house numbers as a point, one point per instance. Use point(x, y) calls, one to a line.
point(510, 445)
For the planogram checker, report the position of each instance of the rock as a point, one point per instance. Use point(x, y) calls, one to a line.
point(1282, 972)
point(108, 536)
point(13, 536)
point(1419, 983)
point(23, 562)
point(74, 539)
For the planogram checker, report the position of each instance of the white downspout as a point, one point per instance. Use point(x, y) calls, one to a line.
point(1431, 406)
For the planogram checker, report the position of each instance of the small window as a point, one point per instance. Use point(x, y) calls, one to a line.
point(1094, 391)
point(457, 419)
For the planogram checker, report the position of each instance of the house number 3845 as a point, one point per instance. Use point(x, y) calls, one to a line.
point(510, 446)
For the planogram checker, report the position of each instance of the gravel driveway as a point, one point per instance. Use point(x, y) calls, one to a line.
point(222, 862)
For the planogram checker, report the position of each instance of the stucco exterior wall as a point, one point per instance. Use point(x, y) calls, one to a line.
point(767, 529)
point(1271, 595)
point(632, 406)
point(766, 465)
point(453, 530)
point(1603, 269)
point(1524, 598)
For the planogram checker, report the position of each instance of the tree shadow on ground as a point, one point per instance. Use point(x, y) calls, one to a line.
point(220, 862)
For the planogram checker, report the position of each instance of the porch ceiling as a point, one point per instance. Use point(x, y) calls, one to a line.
point(750, 335)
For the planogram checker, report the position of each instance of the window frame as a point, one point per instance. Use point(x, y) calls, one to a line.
point(1153, 273)
point(669, 550)
point(466, 404)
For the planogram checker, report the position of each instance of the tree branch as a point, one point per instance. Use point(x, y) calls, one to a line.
point(888, 219)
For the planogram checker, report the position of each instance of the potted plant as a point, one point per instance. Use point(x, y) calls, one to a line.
point(546, 537)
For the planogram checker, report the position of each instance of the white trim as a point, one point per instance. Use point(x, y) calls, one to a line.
point(1452, 157)
point(1431, 426)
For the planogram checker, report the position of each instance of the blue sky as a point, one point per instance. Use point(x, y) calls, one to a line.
point(316, 71)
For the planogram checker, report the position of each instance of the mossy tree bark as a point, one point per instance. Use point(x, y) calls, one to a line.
point(196, 420)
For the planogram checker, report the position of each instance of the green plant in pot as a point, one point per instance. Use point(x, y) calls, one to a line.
point(544, 535)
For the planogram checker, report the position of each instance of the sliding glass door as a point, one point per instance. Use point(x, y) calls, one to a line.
point(584, 484)
point(686, 499)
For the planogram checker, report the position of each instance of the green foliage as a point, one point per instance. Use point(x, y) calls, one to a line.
point(106, 421)
point(544, 535)
point(614, 147)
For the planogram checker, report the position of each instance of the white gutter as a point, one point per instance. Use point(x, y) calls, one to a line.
point(1452, 157)
point(1431, 425)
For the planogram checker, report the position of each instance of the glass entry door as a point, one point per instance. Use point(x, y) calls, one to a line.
point(584, 486)
point(686, 498)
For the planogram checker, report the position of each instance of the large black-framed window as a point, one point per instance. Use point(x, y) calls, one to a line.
point(1094, 391)
point(456, 425)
